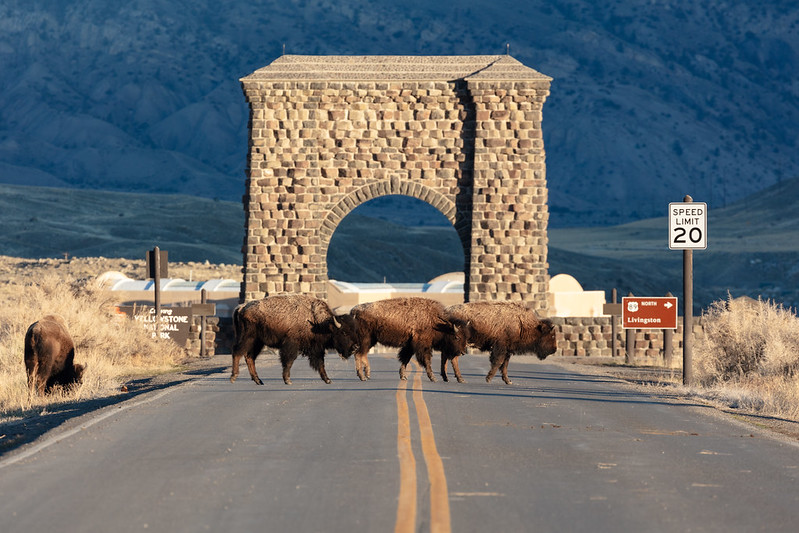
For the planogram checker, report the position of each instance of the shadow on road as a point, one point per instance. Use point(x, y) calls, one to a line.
point(18, 433)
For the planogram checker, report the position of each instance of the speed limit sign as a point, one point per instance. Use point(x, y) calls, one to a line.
point(687, 225)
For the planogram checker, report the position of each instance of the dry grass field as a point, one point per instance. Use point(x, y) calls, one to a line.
point(749, 357)
point(111, 350)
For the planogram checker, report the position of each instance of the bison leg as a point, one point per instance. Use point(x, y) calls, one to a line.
point(251, 367)
point(288, 354)
point(404, 356)
point(250, 349)
point(457, 369)
point(317, 362)
point(425, 356)
point(43, 380)
point(323, 374)
point(497, 358)
point(444, 368)
point(33, 378)
point(504, 369)
point(249, 357)
point(37, 385)
point(361, 362)
point(234, 373)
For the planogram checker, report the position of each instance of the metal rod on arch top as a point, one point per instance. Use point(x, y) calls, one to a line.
point(688, 314)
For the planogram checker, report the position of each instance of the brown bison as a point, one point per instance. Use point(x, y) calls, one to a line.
point(294, 324)
point(50, 355)
point(415, 325)
point(502, 329)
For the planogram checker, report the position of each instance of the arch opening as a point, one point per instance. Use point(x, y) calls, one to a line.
point(394, 239)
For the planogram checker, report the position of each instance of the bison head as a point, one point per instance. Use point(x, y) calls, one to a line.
point(455, 335)
point(547, 339)
point(345, 337)
point(69, 377)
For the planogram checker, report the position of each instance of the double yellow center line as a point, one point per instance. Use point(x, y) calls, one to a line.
point(439, 498)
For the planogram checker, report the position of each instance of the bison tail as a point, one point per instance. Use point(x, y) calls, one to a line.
point(237, 325)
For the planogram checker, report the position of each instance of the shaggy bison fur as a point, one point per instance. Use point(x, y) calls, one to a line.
point(415, 325)
point(502, 329)
point(293, 324)
point(50, 355)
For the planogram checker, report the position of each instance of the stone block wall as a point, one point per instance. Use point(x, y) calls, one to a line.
point(324, 141)
point(592, 337)
point(194, 342)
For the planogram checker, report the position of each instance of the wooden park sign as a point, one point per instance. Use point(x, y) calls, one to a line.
point(175, 322)
point(172, 323)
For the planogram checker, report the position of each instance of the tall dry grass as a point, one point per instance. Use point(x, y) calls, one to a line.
point(749, 356)
point(110, 346)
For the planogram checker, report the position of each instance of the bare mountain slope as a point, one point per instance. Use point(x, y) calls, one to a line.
point(650, 99)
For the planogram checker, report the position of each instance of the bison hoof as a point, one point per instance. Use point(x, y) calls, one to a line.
point(328, 381)
point(362, 378)
point(508, 382)
point(233, 379)
point(461, 380)
point(432, 378)
point(258, 381)
point(444, 378)
point(488, 379)
point(287, 381)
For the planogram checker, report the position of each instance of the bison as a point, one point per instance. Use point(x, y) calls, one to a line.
point(294, 324)
point(415, 325)
point(50, 356)
point(502, 329)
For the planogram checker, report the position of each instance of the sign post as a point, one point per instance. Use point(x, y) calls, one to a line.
point(688, 232)
point(157, 267)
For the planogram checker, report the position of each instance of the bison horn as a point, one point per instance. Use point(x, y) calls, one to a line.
point(336, 323)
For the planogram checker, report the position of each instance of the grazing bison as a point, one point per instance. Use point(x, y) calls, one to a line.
point(294, 324)
point(50, 355)
point(415, 325)
point(502, 329)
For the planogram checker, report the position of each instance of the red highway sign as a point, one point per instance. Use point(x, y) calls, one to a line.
point(658, 312)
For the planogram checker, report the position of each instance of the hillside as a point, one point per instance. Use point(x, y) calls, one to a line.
point(650, 100)
point(753, 245)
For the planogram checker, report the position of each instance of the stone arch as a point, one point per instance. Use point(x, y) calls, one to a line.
point(385, 188)
point(462, 133)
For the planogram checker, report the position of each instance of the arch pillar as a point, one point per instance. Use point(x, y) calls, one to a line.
point(462, 133)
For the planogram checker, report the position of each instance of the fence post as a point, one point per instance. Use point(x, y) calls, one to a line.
point(668, 342)
point(157, 289)
point(203, 299)
point(613, 330)
point(630, 343)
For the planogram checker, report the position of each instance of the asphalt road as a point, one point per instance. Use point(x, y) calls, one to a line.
point(559, 450)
